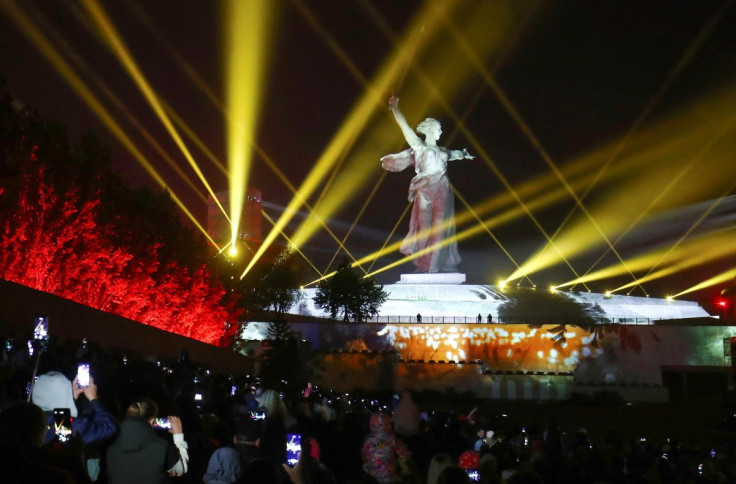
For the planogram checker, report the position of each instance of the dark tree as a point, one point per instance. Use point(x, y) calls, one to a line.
point(349, 294)
point(542, 307)
point(280, 360)
point(271, 286)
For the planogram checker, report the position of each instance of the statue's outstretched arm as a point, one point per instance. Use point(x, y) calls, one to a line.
point(460, 155)
point(409, 134)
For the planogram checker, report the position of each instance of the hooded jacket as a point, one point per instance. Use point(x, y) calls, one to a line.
point(139, 455)
point(223, 467)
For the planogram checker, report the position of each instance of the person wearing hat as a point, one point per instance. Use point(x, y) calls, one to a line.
point(93, 424)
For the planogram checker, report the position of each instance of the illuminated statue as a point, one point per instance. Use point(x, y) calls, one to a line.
point(432, 224)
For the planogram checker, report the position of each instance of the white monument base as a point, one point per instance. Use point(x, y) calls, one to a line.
point(434, 278)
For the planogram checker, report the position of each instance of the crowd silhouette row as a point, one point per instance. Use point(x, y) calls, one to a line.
point(140, 420)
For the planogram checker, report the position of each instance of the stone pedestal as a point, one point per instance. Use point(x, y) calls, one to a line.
point(434, 278)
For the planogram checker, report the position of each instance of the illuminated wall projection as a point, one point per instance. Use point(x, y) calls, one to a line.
point(612, 354)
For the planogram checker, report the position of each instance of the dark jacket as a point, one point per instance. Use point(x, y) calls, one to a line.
point(94, 425)
point(273, 441)
point(139, 455)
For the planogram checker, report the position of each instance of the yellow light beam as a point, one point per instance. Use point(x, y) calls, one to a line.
point(695, 252)
point(182, 125)
point(663, 88)
point(513, 213)
point(186, 67)
point(357, 218)
point(189, 132)
point(514, 113)
point(656, 157)
point(505, 217)
point(204, 87)
point(726, 276)
point(247, 28)
point(437, 95)
point(65, 70)
point(429, 82)
point(82, 66)
point(356, 120)
point(523, 125)
point(121, 51)
point(331, 42)
point(351, 179)
point(464, 234)
point(671, 184)
point(316, 281)
point(280, 174)
point(391, 234)
point(488, 230)
point(291, 246)
point(648, 275)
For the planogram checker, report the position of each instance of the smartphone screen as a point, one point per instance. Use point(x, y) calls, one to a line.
point(162, 423)
point(63, 424)
point(41, 329)
point(83, 375)
point(473, 474)
point(293, 448)
point(258, 415)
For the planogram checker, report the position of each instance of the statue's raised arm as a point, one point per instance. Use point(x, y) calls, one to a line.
point(411, 137)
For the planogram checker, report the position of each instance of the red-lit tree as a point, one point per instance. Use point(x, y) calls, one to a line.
point(70, 227)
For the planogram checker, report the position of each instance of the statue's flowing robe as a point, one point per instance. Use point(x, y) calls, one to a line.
point(432, 224)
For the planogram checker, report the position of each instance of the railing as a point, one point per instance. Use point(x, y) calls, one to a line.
point(506, 320)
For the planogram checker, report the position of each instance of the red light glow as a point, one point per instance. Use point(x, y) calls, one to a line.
point(52, 241)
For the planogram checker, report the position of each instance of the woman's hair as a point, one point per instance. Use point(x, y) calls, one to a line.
point(144, 408)
point(272, 403)
point(437, 465)
point(427, 125)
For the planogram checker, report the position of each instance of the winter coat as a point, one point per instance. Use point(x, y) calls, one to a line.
point(382, 450)
point(139, 455)
point(223, 467)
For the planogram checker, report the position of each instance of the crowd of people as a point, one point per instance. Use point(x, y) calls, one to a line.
point(140, 420)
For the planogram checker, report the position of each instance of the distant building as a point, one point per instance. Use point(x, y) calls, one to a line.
point(218, 226)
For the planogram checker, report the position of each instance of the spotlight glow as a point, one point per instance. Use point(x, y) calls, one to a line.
point(247, 27)
point(119, 48)
point(52, 55)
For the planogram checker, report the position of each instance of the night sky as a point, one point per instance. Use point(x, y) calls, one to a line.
point(579, 73)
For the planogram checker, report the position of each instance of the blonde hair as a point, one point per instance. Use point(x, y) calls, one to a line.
point(272, 403)
point(439, 463)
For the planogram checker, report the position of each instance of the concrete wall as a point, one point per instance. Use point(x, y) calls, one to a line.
point(72, 321)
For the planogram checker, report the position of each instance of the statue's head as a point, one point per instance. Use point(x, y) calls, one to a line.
point(430, 127)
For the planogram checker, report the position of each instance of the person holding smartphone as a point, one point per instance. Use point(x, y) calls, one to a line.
point(139, 454)
point(91, 422)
